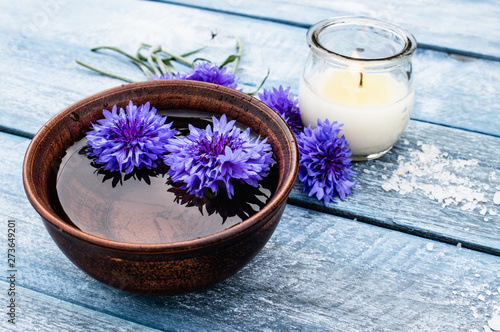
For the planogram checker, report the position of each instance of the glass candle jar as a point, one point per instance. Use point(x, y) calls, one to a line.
point(359, 73)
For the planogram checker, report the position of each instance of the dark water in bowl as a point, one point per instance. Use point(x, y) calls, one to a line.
point(146, 207)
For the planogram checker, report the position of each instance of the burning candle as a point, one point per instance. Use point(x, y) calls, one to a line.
point(358, 73)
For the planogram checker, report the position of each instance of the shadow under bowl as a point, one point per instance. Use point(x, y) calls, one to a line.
point(160, 268)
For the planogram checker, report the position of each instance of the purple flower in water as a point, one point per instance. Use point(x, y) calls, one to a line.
point(324, 165)
point(211, 159)
point(284, 102)
point(128, 139)
point(205, 72)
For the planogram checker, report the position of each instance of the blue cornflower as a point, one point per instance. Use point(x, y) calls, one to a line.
point(211, 159)
point(128, 139)
point(324, 166)
point(205, 72)
point(284, 102)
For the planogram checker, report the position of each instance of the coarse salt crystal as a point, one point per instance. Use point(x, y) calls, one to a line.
point(432, 172)
point(496, 198)
point(483, 210)
point(474, 312)
point(494, 323)
point(430, 246)
point(387, 186)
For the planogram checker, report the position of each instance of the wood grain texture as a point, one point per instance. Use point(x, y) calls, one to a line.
point(458, 26)
point(39, 312)
point(465, 166)
point(318, 272)
point(40, 76)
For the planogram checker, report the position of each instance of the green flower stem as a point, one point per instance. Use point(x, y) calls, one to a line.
point(104, 72)
point(166, 60)
point(239, 48)
point(145, 68)
point(170, 69)
point(161, 65)
point(261, 84)
point(173, 56)
point(193, 52)
point(179, 58)
point(153, 50)
point(234, 57)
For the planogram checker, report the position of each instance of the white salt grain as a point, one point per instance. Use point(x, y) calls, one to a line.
point(474, 312)
point(483, 211)
point(496, 198)
point(494, 323)
point(481, 297)
point(439, 178)
point(430, 246)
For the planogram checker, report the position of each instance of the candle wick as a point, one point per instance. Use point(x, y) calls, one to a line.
point(360, 79)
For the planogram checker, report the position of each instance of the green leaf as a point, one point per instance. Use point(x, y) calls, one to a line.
point(228, 60)
point(234, 57)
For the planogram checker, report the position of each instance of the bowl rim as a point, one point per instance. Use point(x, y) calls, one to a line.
point(50, 217)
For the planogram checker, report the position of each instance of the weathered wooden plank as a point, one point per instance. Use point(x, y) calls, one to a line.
point(39, 76)
point(40, 312)
point(447, 195)
point(437, 182)
point(467, 27)
point(318, 272)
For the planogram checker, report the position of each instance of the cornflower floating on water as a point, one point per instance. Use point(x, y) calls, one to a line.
point(212, 158)
point(205, 72)
point(128, 139)
point(284, 102)
point(324, 166)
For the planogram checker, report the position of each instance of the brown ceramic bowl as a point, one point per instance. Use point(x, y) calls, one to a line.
point(165, 268)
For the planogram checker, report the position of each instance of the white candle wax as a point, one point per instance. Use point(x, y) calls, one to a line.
point(374, 113)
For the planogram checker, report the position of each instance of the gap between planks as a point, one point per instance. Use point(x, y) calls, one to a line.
point(425, 46)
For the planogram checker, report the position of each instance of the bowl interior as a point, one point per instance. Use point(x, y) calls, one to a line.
point(71, 124)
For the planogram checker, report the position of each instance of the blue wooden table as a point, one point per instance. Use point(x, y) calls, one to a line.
point(415, 247)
